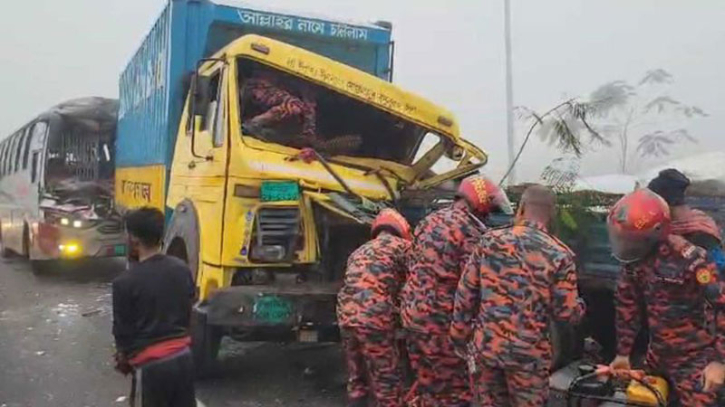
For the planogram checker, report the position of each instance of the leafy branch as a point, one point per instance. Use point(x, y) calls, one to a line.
point(560, 125)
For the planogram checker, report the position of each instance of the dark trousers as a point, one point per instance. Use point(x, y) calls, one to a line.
point(167, 382)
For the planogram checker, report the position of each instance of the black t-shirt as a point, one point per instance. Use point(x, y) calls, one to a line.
point(151, 303)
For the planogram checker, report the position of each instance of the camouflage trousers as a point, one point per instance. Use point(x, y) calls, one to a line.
point(685, 377)
point(441, 375)
point(500, 387)
point(282, 106)
point(373, 363)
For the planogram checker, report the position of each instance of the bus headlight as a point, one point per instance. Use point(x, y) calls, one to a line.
point(69, 249)
point(64, 221)
point(77, 224)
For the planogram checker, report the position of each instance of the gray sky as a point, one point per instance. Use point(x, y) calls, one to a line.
point(451, 52)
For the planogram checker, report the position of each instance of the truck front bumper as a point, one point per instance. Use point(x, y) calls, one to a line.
point(305, 312)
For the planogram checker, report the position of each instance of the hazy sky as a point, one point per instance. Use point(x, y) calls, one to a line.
point(451, 52)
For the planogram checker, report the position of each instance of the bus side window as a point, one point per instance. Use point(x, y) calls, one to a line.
point(38, 133)
point(2, 151)
point(26, 151)
point(34, 168)
point(4, 157)
point(19, 149)
point(9, 155)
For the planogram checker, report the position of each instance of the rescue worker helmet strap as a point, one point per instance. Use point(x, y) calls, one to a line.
point(484, 196)
point(636, 224)
point(391, 219)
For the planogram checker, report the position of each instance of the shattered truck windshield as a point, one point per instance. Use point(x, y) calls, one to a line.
point(282, 109)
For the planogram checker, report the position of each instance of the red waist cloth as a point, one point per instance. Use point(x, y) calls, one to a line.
point(160, 350)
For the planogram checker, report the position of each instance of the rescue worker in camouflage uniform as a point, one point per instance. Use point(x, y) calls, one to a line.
point(695, 226)
point(441, 245)
point(669, 280)
point(367, 312)
point(518, 280)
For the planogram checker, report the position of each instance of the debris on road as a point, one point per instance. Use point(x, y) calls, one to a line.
point(64, 310)
point(92, 312)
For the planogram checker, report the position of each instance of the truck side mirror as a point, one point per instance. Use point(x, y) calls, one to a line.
point(200, 87)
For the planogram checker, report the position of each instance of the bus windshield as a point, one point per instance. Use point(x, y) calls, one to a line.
point(79, 166)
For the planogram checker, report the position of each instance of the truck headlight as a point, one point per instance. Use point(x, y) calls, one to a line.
point(64, 221)
point(77, 224)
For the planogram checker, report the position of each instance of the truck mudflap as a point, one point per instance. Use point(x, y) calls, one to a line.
point(305, 312)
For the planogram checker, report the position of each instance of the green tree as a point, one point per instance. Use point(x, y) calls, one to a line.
point(566, 126)
point(641, 120)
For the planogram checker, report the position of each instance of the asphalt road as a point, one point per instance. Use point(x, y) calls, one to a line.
point(56, 347)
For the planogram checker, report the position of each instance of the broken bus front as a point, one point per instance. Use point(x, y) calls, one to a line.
point(57, 180)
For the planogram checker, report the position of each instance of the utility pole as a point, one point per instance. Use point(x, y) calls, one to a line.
point(509, 93)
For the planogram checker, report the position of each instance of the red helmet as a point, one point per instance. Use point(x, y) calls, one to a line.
point(391, 219)
point(636, 224)
point(483, 196)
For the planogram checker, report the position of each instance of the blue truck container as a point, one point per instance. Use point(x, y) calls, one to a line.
point(153, 85)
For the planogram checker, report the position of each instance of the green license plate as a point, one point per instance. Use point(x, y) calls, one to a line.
point(119, 250)
point(279, 191)
point(272, 309)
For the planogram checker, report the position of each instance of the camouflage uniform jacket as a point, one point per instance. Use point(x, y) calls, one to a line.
point(442, 243)
point(375, 272)
point(672, 286)
point(516, 281)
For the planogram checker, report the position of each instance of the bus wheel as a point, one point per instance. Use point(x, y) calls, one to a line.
point(41, 267)
point(205, 342)
point(26, 241)
point(4, 251)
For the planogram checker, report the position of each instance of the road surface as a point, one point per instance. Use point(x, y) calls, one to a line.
point(56, 347)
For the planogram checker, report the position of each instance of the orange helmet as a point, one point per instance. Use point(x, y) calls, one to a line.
point(483, 196)
point(392, 220)
point(636, 224)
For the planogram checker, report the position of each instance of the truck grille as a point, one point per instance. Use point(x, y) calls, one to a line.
point(277, 227)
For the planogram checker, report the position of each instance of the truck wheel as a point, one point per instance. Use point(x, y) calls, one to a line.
point(205, 341)
point(182, 236)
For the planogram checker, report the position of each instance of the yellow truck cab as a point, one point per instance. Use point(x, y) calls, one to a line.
point(265, 223)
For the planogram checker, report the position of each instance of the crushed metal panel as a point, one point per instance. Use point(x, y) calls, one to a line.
point(339, 205)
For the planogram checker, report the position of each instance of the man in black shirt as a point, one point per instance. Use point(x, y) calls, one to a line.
point(152, 303)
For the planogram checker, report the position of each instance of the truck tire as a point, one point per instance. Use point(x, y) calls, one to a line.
point(205, 341)
point(182, 236)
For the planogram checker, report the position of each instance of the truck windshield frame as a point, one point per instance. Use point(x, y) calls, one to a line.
point(345, 126)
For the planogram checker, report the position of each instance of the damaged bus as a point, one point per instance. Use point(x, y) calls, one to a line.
point(265, 213)
point(56, 185)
